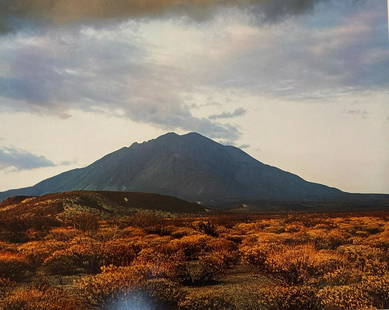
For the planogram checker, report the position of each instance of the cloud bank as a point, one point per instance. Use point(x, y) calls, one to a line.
point(21, 14)
point(119, 70)
point(18, 159)
point(100, 71)
point(238, 112)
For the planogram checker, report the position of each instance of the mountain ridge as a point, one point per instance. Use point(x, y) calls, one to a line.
point(191, 167)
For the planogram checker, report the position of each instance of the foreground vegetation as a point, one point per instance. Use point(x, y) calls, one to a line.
point(81, 259)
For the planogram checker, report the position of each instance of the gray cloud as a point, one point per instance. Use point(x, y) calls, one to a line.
point(339, 50)
point(112, 70)
point(19, 159)
point(101, 71)
point(22, 14)
point(236, 113)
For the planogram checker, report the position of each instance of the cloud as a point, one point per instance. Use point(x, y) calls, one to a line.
point(238, 112)
point(357, 112)
point(244, 146)
point(108, 71)
point(318, 57)
point(21, 14)
point(18, 159)
point(119, 70)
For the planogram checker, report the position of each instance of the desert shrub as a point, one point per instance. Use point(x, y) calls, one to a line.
point(223, 249)
point(84, 221)
point(62, 233)
point(163, 290)
point(300, 264)
point(36, 299)
point(342, 276)
point(378, 289)
point(289, 298)
point(366, 258)
point(192, 245)
point(143, 219)
point(118, 253)
point(295, 265)
point(114, 283)
point(37, 251)
point(203, 271)
point(14, 266)
point(78, 258)
point(163, 261)
point(159, 229)
point(346, 297)
point(205, 299)
point(179, 232)
point(123, 283)
point(205, 227)
point(5, 286)
point(329, 239)
point(257, 255)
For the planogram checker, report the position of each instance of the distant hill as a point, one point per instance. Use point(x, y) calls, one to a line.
point(190, 167)
point(100, 202)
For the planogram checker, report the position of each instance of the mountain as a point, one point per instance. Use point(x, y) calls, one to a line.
point(190, 167)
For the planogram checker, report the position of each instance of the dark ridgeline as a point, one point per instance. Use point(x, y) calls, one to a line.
point(191, 167)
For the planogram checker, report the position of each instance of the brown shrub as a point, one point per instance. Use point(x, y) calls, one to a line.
point(205, 299)
point(205, 227)
point(346, 297)
point(84, 221)
point(36, 299)
point(295, 265)
point(378, 289)
point(113, 283)
point(14, 266)
point(143, 219)
point(300, 264)
point(118, 253)
point(6, 285)
point(192, 245)
point(37, 251)
point(82, 256)
point(289, 298)
point(203, 271)
point(162, 261)
point(366, 258)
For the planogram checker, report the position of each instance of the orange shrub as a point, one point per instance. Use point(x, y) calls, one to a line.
point(112, 284)
point(378, 289)
point(205, 300)
point(366, 258)
point(288, 298)
point(84, 221)
point(5, 286)
point(36, 299)
point(78, 258)
point(63, 233)
point(203, 271)
point(301, 264)
point(118, 253)
point(295, 265)
point(191, 245)
point(346, 297)
point(37, 251)
point(14, 266)
point(205, 227)
point(162, 261)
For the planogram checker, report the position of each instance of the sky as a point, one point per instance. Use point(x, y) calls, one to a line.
point(300, 84)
